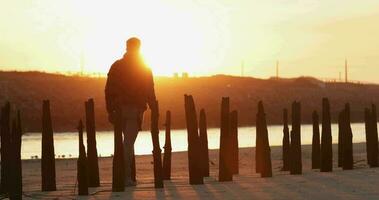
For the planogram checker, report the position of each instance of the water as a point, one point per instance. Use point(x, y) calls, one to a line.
point(66, 144)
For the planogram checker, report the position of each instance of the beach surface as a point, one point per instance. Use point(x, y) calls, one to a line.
point(360, 183)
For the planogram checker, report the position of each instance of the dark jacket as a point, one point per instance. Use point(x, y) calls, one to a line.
point(129, 82)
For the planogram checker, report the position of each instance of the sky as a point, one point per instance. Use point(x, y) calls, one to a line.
point(203, 37)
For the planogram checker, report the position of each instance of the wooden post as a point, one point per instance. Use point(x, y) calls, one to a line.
point(225, 170)
point(264, 161)
point(48, 155)
point(118, 169)
point(15, 190)
point(234, 141)
point(204, 143)
point(316, 142)
point(286, 142)
point(5, 149)
point(167, 148)
point(82, 164)
point(326, 138)
point(158, 174)
point(258, 141)
point(133, 166)
point(92, 160)
point(368, 132)
point(341, 133)
point(374, 137)
point(296, 166)
point(194, 166)
point(347, 161)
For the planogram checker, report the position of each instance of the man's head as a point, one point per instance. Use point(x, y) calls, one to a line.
point(133, 45)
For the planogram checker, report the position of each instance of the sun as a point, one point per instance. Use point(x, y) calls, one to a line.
point(173, 41)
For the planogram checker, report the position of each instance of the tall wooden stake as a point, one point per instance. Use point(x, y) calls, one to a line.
point(234, 141)
point(194, 165)
point(48, 155)
point(92, 160)
point(158, 174)
point(286, 142)
point(82, 164)
point(341, 134)
point(167, 148)
point(296, 166)
point(265, 151)
point(225, 169)
point(316, 142)
point(204, 143)
point(118, 169)
point(326, 138)
point(16, 172)
point(368, 136)
point(5, 149)
point(374, 137)
point(348, 161)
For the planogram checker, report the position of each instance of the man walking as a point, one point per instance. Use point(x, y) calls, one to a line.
point(129, 87)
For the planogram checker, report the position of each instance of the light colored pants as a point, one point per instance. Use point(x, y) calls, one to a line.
point(132, 118)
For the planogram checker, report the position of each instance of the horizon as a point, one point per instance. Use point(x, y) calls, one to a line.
point(204, 38)
point(180, 76)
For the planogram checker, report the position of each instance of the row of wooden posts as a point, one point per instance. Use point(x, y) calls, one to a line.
point(198, 157)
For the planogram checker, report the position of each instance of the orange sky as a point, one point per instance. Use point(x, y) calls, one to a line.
point(310, 37)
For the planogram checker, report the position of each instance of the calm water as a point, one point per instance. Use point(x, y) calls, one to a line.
point(67, 143)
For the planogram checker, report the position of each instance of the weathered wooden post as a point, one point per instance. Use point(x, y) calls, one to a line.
point(286, 142)
point(158, 174)
point(15, 190)
point(368, 132)
point(347, 161)
point(204, 143)
point(5, 149)
point(296, 166)
point(265, 166)
point(194, 166)
point(341, 134)
point(316, 142)
point(82, 164)
point(167, 148)
point(118, 168)
point(234, 141)
point(133, 166)
point(374, 137)
point(92, 160)
point(326, 138)
point(258, 142)
point(225, 169)
point(48, 155)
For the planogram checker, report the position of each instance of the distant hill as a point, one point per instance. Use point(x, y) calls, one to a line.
point(68, 93)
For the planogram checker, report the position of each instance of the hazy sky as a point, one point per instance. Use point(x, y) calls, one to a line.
point(204, 37)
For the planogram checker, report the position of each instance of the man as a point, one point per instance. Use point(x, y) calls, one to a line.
point(129, 87)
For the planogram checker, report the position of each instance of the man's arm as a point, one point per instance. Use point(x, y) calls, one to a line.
point(151, 98)
point(110, 91)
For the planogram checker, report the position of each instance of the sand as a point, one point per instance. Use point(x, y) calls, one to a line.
point(360, 183)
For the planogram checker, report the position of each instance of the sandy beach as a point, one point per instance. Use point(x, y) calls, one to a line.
point(360, 183)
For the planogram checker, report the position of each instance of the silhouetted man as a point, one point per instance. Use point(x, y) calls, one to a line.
point(129, 87)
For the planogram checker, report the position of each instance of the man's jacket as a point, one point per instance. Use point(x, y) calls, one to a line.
point(129, 82)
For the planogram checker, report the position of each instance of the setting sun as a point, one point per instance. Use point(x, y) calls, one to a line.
point(183, 43)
